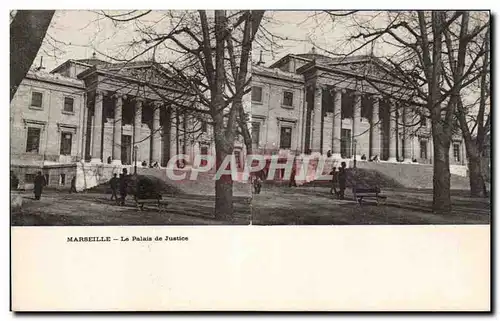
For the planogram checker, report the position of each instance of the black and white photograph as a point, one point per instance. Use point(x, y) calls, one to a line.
point(250, 160)
point(372, 117)
point(122, 118)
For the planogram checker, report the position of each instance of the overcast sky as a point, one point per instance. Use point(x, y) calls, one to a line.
point(76, 33)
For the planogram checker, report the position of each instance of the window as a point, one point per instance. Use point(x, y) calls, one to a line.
point(345, 143)
point(456, 152)
point(255, 133)
point(257, 94)
point(36, 99)
point(29, 178)
point(62, 179)
point(68, 104)
point(66, 139)
point(288, 98)
point(33, 140)
point(423, 149)
point(203, 126)
point(286, 137)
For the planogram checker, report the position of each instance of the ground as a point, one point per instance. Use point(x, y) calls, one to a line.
point(274, 206)
point(315, 206)
point(81, 209)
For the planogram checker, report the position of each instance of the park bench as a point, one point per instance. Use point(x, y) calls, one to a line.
point(367, 192)
point(160, 202)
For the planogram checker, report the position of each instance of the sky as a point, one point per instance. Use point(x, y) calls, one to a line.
point(78, 34)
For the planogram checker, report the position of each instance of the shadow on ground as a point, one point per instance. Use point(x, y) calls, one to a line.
point(315, 206)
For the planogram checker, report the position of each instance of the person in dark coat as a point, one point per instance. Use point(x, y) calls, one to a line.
point(40, 182)
point(114, 184)
point(73, 185)
point(333, 189)
point(257, 184)
point(123, 182)
point(342, 176)
point(293, 183)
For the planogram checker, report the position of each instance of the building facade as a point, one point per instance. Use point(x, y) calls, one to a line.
point(314, 104)
point(89, 118)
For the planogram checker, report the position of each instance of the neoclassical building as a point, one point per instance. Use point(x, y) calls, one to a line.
point(89, 118)
point(314, 104)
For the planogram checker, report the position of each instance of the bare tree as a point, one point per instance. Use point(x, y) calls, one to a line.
point(27, 31)
point(474, 117)
point(418, 45)
point(209, 55)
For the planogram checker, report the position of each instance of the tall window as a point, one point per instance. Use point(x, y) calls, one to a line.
point(255, 133)
point(257, 94)
point(423, 149)
point(288, 98)
point(33, 140)
point(203, 126)
point(456, 152)
point(36, 99)
point(68, 104)
point(286, 137)
point(62, 179)
point(345, 143)
point(66, 139)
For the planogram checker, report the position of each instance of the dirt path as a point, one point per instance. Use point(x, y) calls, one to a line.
point(314, 205)
point(97, 209)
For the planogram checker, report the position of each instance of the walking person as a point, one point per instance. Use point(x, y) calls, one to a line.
point(40, 183)
point(293, 183)
point(341, 176)
point(73, 185)
point(113, 183)
point(333, 189)
point(123, 188)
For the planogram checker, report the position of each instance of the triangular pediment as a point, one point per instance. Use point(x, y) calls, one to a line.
point(371, 67)
point(148, 72)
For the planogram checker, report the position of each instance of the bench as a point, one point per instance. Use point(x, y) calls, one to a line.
point(140, 202)
point(367, 192)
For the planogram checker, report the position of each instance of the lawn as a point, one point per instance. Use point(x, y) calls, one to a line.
point(315, 206)
point(276, 205)
point(96, 209)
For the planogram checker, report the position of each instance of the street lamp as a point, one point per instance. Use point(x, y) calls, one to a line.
point(135, 159)
point(354, 149)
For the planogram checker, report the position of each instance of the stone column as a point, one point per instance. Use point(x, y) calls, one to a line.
point(97, 128)
point(356, 121)
point(406, 135)
point(138, 128)
point(316, 121)
point(155, 136)
point(337, 121)
point(375, 137)
point(117, 131)
point(393, 125)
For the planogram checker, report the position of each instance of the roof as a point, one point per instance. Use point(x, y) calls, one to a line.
point(277, 73)
point(43, 75)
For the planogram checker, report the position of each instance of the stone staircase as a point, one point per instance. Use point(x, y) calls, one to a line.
point(393, 175)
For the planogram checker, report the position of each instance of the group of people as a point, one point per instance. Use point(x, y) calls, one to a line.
point(151, 165)
point(339, 179)
point(119, 185)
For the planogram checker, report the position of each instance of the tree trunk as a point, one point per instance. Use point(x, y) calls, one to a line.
point(223, 188)
point(27, 32)
point(476, 179)
point(441, 182)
